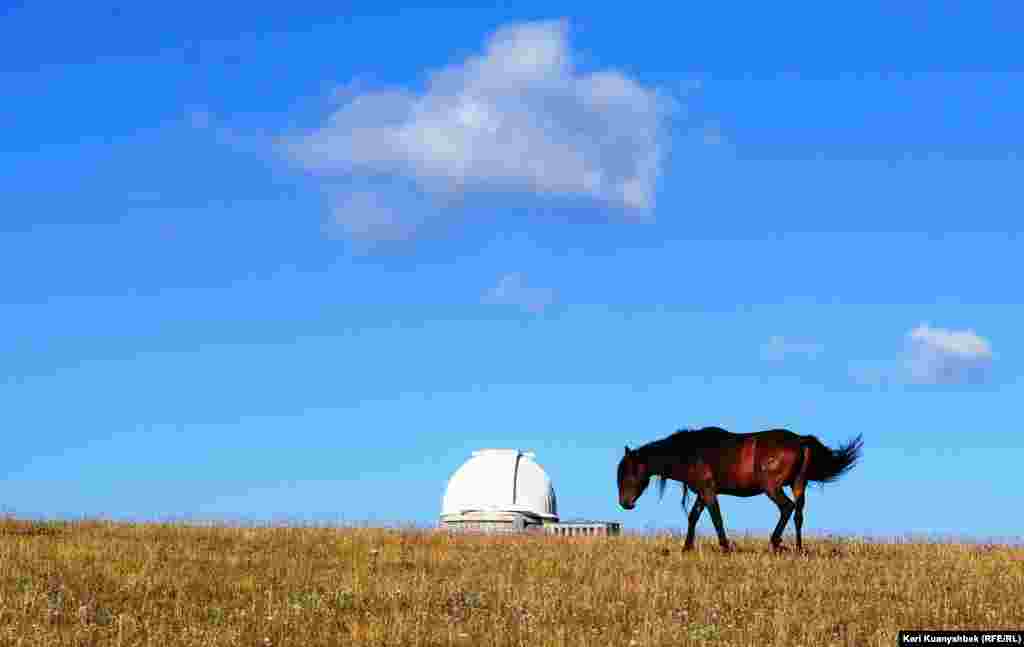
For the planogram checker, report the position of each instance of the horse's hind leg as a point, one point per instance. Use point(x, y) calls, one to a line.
point(785, 509)
point(799, 487)
point(798, 515)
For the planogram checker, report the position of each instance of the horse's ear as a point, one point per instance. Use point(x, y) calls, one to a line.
point(627, 450)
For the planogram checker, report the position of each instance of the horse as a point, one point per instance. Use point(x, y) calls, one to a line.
point(712, 461)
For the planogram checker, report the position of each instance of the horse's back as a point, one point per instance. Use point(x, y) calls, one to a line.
point(777, 436)
point(742, 446)
point(718, 437)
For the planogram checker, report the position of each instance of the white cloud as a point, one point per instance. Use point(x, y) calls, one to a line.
point(713, 134)
point(518, 117)
point(941, 356)
point(222, 131)
point(870, 373)
point(935, 356)
point(363, 216)
point(513, 290)
point(779, 348)
point(199, 118)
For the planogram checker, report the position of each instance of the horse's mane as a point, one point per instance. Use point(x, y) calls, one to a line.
point(680, 442)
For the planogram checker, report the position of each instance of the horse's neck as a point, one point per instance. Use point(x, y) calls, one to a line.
point(661, 464)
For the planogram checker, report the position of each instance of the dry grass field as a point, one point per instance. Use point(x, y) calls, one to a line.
point(100, 583)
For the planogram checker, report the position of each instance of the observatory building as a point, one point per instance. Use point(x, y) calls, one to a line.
point(506, 490)
point(499, 490)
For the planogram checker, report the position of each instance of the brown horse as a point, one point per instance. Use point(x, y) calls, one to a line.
point(713, 461)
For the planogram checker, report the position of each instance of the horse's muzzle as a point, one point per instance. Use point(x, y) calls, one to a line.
point(627, 506)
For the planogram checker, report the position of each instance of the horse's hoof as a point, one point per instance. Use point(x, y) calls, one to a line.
point(779, 548)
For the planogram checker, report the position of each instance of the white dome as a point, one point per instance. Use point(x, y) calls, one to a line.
point(500, 480)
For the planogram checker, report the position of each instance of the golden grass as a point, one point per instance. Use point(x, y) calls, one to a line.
point(101, 583)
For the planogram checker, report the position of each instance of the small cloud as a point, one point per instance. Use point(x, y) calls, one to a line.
point(693, 85)
point(713, 134)
point(932, 356)
point(223, 132)
point(942, 356)
point(779, 348)
point(518, 117)
point(513, 290)
point(340, 94)
point(199, 118)
point(140, 198)
point(875, 374)
point(363, 217)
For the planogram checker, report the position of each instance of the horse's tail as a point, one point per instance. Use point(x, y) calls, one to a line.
point(827, 465)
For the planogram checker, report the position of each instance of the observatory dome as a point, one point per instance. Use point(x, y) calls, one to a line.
point(495, 481)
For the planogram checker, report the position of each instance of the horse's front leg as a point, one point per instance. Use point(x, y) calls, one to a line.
point(698, 507)
point(711, 501)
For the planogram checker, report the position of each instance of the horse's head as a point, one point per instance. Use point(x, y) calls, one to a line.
point(634, 477)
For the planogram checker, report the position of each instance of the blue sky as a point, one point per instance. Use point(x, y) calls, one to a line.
point(298, 264)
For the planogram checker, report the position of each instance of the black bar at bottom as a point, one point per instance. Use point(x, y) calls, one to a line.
point(972, 637)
